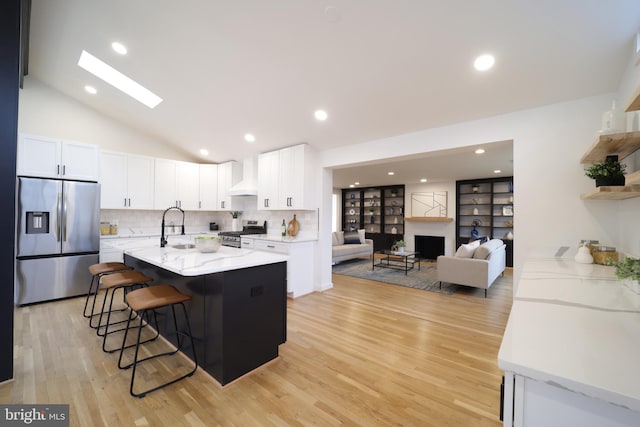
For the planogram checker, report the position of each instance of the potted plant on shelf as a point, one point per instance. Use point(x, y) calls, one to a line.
point(628, 270)
point(608, 173)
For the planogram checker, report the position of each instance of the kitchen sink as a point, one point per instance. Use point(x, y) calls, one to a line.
point(184, 246)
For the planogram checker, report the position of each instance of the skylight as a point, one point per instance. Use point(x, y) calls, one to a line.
point(118, 80)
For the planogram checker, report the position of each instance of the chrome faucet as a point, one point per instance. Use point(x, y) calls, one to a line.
point(163, 240)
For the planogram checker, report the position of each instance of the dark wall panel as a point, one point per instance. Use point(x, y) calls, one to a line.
point(9, 87)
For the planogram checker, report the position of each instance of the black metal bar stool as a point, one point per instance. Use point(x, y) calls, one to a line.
point(151, 298)
point(97, 271)
point(127, 281)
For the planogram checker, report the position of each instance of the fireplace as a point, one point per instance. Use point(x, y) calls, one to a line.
point(430, 247)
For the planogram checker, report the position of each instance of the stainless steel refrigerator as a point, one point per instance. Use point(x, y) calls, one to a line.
point(57, 238)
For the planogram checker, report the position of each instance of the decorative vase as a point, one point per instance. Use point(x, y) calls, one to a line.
point(401, 249)
point(293, 227)
point(235, 224)
point(584, 255)
point(394, 230)
point(475, 211)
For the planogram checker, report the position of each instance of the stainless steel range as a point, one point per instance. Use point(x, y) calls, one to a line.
point(233, 238)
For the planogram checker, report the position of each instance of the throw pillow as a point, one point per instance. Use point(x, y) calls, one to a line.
point(351, 238)
point(485, 250)
point(334, 239)
point(340, 237)
point(467, 250)
point(361, 235)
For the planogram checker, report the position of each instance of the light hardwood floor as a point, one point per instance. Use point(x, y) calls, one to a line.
point(363, 354)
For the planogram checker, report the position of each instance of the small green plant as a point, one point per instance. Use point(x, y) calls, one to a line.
point(401, 244)
point(608, 170)
point(235, 214)
point(629, 268)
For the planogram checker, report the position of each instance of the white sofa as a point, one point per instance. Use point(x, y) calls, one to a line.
point(474, 266)
point(342, 251)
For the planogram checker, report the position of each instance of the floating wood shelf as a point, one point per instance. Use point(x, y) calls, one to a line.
point(428, 219)
point(634, 103)
point(622, 144)
point(612, 193)
point(633, 178)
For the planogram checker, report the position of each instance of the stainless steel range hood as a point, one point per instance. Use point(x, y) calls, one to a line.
point(249, 184)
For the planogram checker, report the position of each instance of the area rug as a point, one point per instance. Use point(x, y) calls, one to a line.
point(426, 278)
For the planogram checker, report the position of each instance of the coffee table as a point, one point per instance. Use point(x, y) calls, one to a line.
point(397, 260)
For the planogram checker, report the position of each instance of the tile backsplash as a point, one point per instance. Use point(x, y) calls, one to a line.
point(132, 221)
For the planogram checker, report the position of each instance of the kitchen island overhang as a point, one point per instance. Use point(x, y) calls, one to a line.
point(238, 306)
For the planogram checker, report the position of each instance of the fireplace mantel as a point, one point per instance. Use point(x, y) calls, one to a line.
point(427, 219)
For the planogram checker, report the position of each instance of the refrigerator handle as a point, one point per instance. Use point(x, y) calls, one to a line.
point(64, 217)
point(58, 209)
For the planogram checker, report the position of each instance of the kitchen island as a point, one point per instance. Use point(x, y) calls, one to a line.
point(238, 306)
point(570, 348)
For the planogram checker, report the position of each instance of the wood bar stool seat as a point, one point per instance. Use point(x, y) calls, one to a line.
point(127, 281)
point(97, 271)
point(150, 298)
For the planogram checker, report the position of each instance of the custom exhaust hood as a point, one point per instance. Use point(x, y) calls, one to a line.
point(249, 184)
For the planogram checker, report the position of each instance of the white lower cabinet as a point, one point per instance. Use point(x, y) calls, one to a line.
point(532, 403)
point(300, 266)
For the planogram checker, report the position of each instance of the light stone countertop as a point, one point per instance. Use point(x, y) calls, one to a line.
point(191, 262)
point(577, 327)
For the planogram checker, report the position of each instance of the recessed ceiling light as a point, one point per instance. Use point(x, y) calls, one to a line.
point(118, 80)
point(484, 62)
point(351, 185)
point(249, 137)
point(480, 151)
point(92, 90)
point(119, 47)
point(356, 183)
point(321, 115)
point(423, 180)
point(497, 171)
point(204, 151)
point(391, 173)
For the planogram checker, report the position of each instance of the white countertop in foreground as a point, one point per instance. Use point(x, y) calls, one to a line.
point(191, 262)
point(577, 327)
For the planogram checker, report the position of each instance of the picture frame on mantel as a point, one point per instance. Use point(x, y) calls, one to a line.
point(432, 204)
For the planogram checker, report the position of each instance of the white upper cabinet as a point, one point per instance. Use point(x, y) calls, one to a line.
point(165, 184)
point(208, 187)
point(176, 184)
point(126, 181)
point(285, 180)
point(188, 185)
point(268, 180)
point(229, 174)
point(54, 158)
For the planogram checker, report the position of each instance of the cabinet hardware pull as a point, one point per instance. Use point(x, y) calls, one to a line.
point(271, 246)
point(64, 169)
point(125, 202)
point(58, 170)
point(129, 202)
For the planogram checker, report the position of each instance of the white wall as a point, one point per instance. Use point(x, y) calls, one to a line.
point(445, 229)
point(548, 177)
point(47, 112)
point(629, 210)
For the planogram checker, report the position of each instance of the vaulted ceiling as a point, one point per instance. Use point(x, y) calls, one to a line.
point(379, 68)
